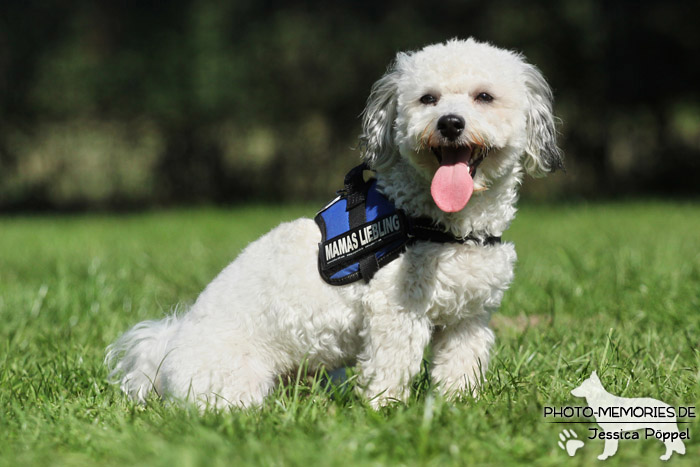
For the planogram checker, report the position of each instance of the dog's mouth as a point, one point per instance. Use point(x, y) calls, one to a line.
point(474, 155)
point(453, 182)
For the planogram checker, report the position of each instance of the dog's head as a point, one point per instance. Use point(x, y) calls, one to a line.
point(590, 387)
point(464, 114)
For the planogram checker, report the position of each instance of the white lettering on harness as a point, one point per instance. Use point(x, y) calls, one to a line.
point(369, 234)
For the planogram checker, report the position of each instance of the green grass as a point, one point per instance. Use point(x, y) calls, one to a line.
point(612, 287)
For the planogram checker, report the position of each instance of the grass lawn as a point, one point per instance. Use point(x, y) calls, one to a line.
point(611, 287)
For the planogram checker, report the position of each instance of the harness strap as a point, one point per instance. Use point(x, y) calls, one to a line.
point(356, 188)
point(424, 228)
point(356, 192)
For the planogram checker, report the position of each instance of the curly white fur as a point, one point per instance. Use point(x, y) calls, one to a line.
point(269, 310)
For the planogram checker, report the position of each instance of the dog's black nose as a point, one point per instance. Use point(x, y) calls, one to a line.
point(450, 126)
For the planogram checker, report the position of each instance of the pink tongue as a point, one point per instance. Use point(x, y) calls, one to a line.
point(452, 184)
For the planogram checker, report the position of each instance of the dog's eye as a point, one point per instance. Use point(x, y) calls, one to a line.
point(428, 99)
point(484, 97)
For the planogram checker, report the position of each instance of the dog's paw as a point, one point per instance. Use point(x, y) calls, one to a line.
point(568, 442)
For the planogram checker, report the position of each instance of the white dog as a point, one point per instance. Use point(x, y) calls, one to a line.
point(430, 120)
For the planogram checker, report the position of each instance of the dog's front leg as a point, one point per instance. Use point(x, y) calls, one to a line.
point(461, 356)
point(609, 449)
point(394, 341)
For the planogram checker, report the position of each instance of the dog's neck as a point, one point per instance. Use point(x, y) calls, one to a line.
point(488, 213)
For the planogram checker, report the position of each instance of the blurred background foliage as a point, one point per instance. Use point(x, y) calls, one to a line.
point(121, 104)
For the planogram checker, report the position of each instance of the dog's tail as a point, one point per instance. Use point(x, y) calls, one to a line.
point(134, 360)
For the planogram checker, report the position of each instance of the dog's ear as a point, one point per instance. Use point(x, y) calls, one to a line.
point(377, 139)
point(594, 376)
point(541, 153)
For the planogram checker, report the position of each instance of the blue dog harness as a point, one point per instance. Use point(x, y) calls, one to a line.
point(361, 231)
